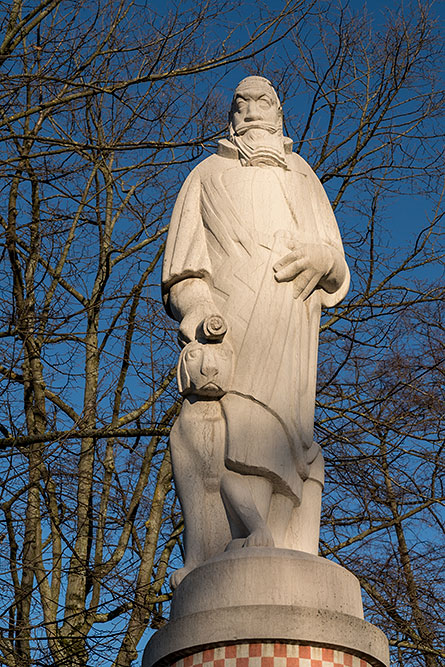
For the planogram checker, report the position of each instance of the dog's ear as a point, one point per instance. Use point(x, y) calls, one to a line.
point(182, 374)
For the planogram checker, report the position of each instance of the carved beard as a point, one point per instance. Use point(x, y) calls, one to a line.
point(259, 145)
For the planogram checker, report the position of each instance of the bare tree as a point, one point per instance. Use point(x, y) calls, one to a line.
point(105, 106)
point(101, 106)
point(370, 126)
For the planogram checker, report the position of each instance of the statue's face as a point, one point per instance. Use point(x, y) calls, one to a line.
point(254, 106)
point(206, 369)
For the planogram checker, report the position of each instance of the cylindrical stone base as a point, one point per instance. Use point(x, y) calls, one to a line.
point(262, 607)
point(270, 655)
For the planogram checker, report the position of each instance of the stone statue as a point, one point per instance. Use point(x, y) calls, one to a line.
point(252, 255)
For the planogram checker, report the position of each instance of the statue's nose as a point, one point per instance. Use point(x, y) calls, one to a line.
point(253, 111)
point(208, 366)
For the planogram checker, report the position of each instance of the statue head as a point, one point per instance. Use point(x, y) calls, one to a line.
point(205, 369)
point(256, 123)
point(255, 104)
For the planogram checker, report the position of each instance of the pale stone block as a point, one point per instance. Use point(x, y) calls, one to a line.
point(303, 662)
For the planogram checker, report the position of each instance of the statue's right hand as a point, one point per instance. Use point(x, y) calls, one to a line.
point(202, 323)
point(214, 328)
point(188, 327)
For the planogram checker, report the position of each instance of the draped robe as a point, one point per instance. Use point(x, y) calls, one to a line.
point(230, 225)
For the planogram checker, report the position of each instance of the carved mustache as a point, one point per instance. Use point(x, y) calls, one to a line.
point(242, 128)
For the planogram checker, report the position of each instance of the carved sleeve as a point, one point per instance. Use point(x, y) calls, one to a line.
point(186, 251)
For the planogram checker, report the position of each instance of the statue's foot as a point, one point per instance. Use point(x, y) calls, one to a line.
point(261, 537)
point(179, 575)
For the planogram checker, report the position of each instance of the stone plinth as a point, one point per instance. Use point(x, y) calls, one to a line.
point(260, 607)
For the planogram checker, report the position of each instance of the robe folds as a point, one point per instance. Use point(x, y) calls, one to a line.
point(230, 225)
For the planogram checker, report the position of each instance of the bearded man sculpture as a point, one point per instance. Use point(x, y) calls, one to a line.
point(253, 254)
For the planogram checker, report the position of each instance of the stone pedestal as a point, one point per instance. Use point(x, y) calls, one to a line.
point(261, 607)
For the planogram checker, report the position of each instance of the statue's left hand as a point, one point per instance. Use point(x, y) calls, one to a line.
point(309, 266)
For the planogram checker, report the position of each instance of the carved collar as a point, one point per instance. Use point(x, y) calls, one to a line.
point(227, 149)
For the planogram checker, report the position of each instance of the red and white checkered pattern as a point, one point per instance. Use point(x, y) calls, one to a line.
point(270, 655)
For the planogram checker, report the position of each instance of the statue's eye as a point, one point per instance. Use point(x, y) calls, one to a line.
point(193, 354)
point(264, 103)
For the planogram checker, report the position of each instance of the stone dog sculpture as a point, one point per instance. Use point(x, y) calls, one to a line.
point(252, 255)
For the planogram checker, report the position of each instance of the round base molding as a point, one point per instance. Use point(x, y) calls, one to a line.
point(268, 597)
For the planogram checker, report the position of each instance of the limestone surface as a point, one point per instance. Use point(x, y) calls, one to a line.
point(253, 254)
point(259, 595)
